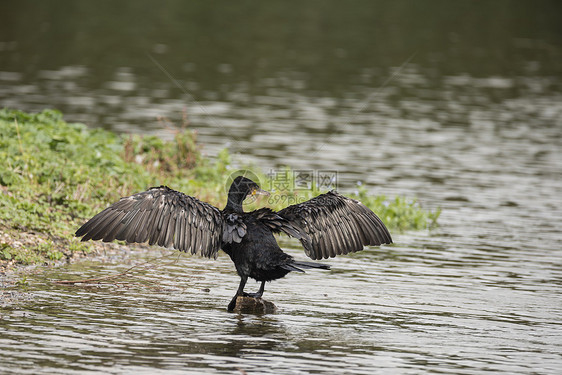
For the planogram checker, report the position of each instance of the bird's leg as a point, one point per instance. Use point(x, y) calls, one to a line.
point(259, 292)
point(239, 292)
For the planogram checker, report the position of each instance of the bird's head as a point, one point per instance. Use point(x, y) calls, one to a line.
point(245, 187)
point(240, 189)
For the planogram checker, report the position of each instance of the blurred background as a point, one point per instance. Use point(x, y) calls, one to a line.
point(273, 80)
point(457, 103)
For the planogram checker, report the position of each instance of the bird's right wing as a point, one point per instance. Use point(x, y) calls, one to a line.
point(160, 216)
point(278, 224)
point(336, 225)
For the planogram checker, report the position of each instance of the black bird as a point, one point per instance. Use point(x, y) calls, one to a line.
point(327, 225)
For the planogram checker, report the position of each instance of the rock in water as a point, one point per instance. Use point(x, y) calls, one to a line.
point(251, 305)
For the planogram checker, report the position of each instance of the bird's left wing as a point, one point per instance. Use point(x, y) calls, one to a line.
point(336, 225)
point(160, 216)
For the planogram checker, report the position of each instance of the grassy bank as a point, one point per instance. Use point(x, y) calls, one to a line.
point(55, 174)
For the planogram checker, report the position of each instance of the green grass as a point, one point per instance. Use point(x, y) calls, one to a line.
point(55, 174)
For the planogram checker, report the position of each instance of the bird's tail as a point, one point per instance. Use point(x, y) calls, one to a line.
point(298, 266)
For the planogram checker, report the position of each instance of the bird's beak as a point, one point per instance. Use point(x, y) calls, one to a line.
point(258, 191)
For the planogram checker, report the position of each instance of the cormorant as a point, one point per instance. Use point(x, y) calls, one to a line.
point(327, 225)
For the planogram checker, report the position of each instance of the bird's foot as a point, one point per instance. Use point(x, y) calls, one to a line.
point(246, 304)
point(253, 295)
point(232, 304)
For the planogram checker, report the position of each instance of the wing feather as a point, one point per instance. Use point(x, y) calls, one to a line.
point(160, 216)
point(177, 231)
point(97, 234)
point(336, 225)
point(113, 227)
point(142, 234)
point(163, 226)
point(277, 223)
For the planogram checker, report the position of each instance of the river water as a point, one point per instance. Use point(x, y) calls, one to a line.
point(455, 103)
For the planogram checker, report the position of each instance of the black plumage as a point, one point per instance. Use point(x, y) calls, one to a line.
point(327, 225)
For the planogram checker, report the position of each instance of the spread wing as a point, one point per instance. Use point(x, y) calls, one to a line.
point(336, 225)
point(160, 216)
point(277, 223)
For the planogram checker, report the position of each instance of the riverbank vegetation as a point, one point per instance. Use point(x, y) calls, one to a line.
point(55, 174)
